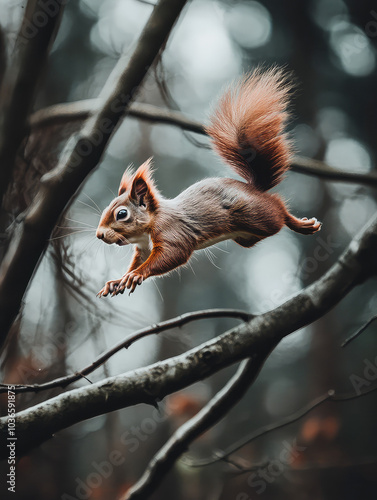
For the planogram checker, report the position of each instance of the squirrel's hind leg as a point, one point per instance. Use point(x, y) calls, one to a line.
point(304, 225)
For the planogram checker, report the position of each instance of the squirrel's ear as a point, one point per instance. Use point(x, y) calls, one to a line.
point(143, 189)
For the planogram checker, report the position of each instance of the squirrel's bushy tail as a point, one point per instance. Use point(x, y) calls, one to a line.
point(247, 128)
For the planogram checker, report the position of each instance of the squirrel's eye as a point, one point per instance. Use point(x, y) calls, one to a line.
point(122, 214)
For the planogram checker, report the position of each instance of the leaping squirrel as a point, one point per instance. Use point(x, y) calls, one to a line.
point(247, 131)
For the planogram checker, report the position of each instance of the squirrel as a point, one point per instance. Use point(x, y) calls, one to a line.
point(247, 131)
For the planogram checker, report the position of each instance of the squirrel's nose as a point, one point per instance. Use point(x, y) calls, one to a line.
point(100, 234)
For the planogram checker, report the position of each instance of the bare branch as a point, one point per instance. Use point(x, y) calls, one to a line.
point(79, 158)
point(3, 55)
point(290, 419)
point(81, 110)
point(359, 331)
point(309, 166)
point(19, 87)
point(314, 466)
point(184, 319)
point(252, 340)
point(179, 442)
point(213, 412)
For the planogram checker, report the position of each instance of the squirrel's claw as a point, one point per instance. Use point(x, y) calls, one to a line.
point(132, 280)
point(110, 287)
point(115, 287)
point(136, 280)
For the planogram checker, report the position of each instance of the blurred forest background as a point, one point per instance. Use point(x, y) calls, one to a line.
point(330, 46)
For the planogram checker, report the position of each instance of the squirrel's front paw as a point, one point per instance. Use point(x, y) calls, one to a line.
point(130, 281)
point(109, 287)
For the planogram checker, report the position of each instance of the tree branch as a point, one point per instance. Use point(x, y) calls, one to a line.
point(3, 55)
point(81, 110)
point(184, 319)
point(20, 84)
point(290, 419)
point(309, 166)
point(252, 340)
point(310, 467)
point(359, 331)
point(214, 411)
point(77, 161)
point(208, 416)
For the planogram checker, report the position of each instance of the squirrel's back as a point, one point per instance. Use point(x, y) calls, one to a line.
point(247, 128)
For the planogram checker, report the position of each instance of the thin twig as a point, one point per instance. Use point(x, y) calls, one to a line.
point(310, 467)
point(290, 419)
point(359, 331)
point(178, 322)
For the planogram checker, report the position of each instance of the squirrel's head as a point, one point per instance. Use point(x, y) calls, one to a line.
point(129, 215)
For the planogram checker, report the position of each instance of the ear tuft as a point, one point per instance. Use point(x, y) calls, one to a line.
point(126, 180)
point(143, 189)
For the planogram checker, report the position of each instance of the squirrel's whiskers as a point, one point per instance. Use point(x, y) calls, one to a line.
point(248, 132)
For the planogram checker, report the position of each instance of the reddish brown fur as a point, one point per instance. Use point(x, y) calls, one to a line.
point(250, 118)
point(142, 175)
point(247, 128)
